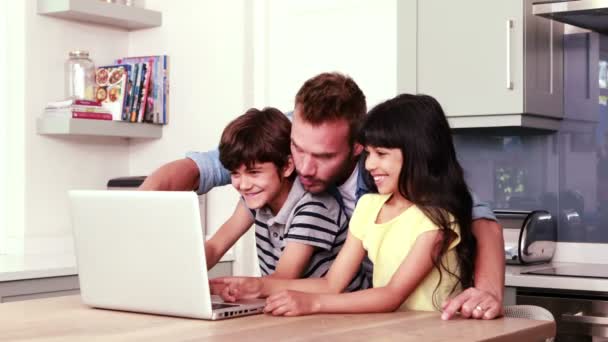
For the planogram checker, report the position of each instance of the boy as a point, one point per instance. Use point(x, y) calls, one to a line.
point(298, 234)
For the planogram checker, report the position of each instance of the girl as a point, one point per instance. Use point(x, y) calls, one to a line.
point(416, 228)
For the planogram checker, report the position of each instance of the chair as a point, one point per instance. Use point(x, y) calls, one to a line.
point(529, 312)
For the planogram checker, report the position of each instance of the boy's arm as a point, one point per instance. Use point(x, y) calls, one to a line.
point(412, 271)
point(293, 261)
point(200, 171)
point(313, 226)
point(489, 269)
point(227, 235)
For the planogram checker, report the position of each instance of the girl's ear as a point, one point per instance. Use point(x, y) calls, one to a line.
point(357, 149)
point(289, 167)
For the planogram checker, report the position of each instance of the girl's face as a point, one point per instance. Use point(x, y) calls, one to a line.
point(384, 164)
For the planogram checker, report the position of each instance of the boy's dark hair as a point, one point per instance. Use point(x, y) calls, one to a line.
point(332, 96)
point(256, 136)
point(431, 176)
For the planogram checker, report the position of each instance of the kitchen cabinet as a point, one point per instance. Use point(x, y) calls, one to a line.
point(581, 79)
point(24, 289)
point(491, 63)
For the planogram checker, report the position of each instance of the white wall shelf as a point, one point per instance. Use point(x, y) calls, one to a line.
point(100, 12)
point(88, 127)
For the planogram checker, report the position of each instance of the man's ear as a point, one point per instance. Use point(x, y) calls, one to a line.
point(289, 167)
point(357, 149)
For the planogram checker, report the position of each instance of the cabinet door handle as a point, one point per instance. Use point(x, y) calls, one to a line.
point(509, 81)
point(551, 28)
point(580, 318)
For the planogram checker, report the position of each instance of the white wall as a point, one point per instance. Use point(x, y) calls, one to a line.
point(207, 45)
point(3, 129)
point(209, 49)
point(42, 168)
point(213, 65)
point(305, 38)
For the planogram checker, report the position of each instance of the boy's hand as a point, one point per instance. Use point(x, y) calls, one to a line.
point(292, 303)
point(232, 289)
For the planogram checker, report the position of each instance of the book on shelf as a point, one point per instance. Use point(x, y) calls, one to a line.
point(77, 114)
point(73, 102)
point(149, 95)
point(111, 88)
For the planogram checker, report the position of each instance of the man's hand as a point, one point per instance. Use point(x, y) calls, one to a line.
point(473, 303)
point(232, 289)
point(292, 303)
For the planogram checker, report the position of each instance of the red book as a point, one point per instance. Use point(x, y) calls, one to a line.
point(77, 114)
point(91, 115)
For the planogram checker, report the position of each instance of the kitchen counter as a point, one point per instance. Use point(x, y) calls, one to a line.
point(67, 319)
point(20, 267)
point(514, 278)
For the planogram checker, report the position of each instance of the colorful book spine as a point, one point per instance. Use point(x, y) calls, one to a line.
point(133, 110)
point(144, 91)
point(156, 104)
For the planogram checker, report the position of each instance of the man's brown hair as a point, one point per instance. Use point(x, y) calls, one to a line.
point(332, 96)
point(256, 136)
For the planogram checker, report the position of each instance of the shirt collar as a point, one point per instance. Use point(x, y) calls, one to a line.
point(295, 194)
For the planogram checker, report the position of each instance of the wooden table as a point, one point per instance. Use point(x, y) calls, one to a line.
point(67, 319)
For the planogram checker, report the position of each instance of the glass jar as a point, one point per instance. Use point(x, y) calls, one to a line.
point(79, 76)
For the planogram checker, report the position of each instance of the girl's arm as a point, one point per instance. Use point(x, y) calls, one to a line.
point(340, 274)
point(240, 221)
point(412, 271)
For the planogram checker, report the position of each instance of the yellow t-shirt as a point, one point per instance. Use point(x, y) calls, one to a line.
point(389, 243)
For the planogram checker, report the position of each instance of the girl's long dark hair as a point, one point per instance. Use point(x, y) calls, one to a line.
point(431, 177)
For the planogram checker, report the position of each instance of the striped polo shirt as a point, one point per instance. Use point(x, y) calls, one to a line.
point(313, 219)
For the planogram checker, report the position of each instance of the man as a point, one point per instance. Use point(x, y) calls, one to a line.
point(329, 109)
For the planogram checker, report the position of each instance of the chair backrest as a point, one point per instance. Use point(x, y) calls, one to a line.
point(528, 312)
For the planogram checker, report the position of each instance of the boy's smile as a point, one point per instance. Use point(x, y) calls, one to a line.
point(261, 185)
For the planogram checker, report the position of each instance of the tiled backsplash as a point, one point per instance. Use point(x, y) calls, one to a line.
point(565, 173)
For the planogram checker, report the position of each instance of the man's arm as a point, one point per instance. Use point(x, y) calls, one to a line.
point(200, 171)
point(178, 175)
point(489, 273)
point(490, 263)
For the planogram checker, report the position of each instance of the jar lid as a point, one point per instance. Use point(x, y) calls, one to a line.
point(79, 53)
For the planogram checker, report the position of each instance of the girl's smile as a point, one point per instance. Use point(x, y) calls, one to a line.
point(384, 164)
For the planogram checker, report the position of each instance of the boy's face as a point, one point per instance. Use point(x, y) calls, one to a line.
point(259, 185)
point(322, 154)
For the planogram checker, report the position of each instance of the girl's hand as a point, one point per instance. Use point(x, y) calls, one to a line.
point(293, 303)
point(232, 289)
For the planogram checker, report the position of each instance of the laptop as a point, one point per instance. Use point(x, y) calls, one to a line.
point(143, 251)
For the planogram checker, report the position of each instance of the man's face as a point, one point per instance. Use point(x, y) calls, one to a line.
point(322, 154)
